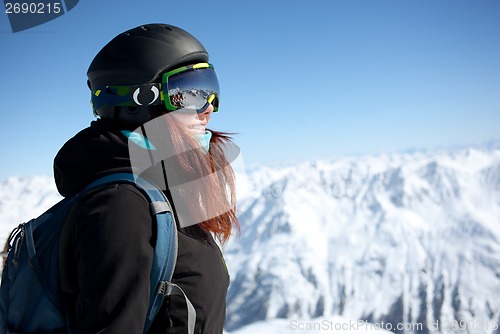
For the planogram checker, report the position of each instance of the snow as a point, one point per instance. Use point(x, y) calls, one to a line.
point(404, 238)
point(395, 238)
point(24, 198)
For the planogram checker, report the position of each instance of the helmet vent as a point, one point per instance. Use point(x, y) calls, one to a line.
point(168, 28)
point(145, 28)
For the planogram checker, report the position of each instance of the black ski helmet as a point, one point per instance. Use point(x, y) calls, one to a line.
point(139, 56)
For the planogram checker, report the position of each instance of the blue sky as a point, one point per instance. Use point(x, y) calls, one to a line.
point(300, 80)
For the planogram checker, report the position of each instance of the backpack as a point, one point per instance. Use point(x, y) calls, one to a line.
point(30, 294)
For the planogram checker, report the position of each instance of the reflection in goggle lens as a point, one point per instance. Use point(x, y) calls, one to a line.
point(193, 88)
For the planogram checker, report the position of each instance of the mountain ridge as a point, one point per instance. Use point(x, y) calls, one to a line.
point(395, 238)
point(400, 232)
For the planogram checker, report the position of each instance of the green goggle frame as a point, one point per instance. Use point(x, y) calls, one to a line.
point(193, 86)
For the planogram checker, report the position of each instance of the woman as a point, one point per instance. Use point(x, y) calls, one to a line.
point(154, 93)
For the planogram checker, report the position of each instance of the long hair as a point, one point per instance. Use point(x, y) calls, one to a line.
point(202, 185)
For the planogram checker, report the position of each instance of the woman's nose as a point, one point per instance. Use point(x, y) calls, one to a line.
point(206, 112)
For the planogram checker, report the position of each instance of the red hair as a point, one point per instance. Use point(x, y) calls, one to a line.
point(216, 193)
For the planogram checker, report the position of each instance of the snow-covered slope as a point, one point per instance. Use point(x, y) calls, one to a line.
point(24, 198)
point(400, 239)
point(410, 240)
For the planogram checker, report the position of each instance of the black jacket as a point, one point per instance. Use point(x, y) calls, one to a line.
point(112, 244)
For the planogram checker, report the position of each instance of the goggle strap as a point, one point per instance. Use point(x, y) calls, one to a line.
point(127, 96)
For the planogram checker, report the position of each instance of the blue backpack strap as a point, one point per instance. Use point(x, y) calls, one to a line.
point(163, 266)
point(165, 254)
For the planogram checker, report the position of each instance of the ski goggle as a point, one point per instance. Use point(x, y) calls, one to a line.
point(194, 86)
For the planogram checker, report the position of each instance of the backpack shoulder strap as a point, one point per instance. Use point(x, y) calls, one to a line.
point(165, 253)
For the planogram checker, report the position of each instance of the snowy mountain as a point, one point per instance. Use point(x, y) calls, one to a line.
point(24, 198)
point(407, 242)
point(400, 239)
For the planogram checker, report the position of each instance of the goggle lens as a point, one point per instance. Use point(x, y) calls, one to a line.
point(193, 87)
